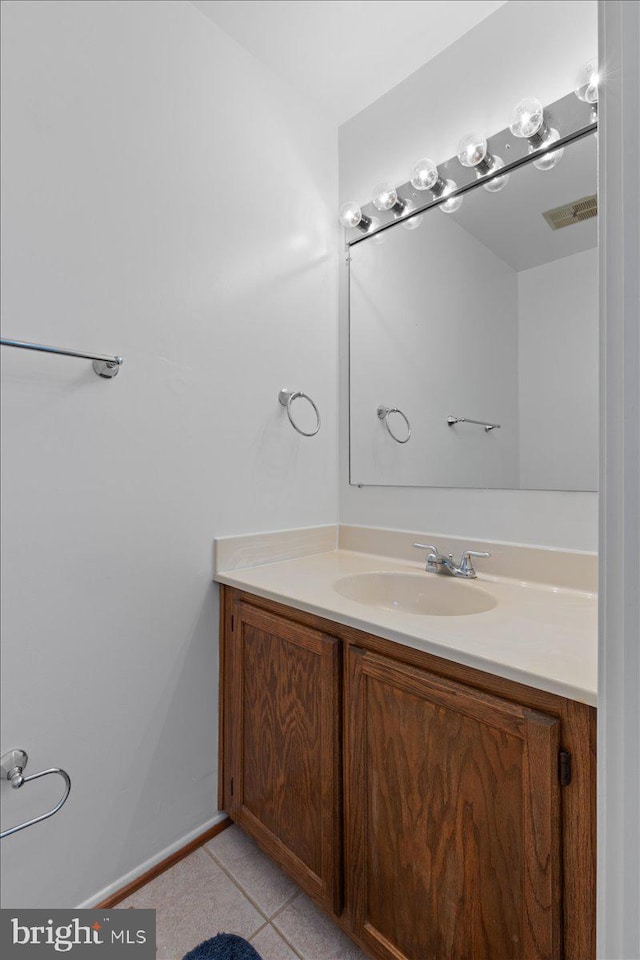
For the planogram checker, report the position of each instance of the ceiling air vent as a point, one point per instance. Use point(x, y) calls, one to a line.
point(573, 212)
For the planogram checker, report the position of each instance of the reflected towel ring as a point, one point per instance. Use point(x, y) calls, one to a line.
point(383, 414)
point(286, 398)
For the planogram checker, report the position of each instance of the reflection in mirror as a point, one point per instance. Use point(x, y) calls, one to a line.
point(487, 317)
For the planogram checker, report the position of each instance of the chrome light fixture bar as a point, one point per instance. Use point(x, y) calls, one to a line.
point(571, 116)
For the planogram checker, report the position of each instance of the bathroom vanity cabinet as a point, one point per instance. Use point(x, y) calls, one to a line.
point(282, 758)
point(434, 811)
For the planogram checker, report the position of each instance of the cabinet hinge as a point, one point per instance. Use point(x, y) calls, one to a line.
point(233, 620)
point(564, 768)
point(231, 787)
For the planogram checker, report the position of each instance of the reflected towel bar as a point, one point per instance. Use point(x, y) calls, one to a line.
point(481, 423)
point(12, 764)
point(107, 367)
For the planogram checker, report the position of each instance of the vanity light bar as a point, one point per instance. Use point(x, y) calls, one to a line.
point(534, 130)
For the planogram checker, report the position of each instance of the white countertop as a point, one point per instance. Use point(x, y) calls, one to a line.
point(539, 635)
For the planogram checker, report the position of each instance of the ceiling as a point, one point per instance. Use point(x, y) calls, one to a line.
point(344, 54)
point(511, 223)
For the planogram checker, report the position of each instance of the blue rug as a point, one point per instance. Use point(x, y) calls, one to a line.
point(225, 946)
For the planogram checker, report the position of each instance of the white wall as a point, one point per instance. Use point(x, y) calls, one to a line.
point(412, 322)
point(558, 363)
point(167, 199)
point(528, 47)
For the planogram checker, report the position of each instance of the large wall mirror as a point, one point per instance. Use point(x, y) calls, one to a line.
point(488, 314)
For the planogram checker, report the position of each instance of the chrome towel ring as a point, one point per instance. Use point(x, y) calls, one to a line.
point(286, 398)
point(383, 414)
point(11, 765)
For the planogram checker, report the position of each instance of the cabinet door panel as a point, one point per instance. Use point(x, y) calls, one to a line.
point(286, 746)
point(453, 819)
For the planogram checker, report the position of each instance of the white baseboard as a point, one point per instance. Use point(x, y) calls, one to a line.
point(148, 864)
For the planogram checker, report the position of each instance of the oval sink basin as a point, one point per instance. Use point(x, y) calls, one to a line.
point(426, 594)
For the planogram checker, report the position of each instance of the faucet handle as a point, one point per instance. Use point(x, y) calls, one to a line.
point(466, 566)
point(434, 559)
point(427, 546)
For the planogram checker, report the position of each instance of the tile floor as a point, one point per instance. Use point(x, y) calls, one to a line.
point(230, 886)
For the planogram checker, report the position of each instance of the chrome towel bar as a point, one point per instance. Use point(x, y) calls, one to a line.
point(107, 367)
point(481, 423)
point(12, 764)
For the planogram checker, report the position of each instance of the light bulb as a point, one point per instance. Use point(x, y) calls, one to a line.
point(529, 123)
point(413, 222)
point(527, 118)
point(548, 160)
point(424, 174)
point(352, 216)
point(385, 197)
point(587, 82)
point(493, 186)
point(472, 150)
point(450, 206)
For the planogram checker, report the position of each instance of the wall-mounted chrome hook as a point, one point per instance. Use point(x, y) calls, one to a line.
point(12, 765)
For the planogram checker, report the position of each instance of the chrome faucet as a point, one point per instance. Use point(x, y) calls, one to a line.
point(437, 562)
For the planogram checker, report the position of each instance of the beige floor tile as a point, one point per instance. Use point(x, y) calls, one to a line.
point(194, 900)
point(271, 946)
point(265, 883)
point(313, 935)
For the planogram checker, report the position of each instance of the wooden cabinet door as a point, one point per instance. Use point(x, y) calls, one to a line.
point(452, 819)
point(284, 713)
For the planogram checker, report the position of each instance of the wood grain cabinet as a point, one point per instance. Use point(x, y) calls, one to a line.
point(454, 818)
point(434, 811)
point(283, 765)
